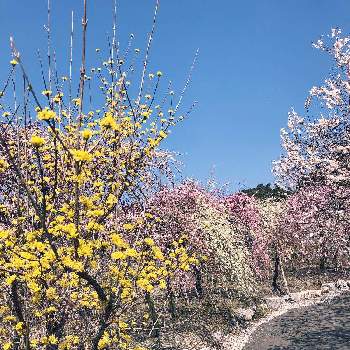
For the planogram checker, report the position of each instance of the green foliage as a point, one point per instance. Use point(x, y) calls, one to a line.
point(262, 191)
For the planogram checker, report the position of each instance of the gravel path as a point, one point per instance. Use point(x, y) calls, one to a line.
point(317, 327)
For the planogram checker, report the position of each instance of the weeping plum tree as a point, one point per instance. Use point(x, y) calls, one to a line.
point(316, 224)
point(246, 215)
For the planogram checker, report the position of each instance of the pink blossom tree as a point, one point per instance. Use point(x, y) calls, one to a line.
point(245, 212)
point(316, 225)
point(317, 149)
point(316, 164)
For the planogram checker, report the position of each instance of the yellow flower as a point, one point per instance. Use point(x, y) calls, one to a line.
point(118, 255)
point(19, 326)
point(52, 339)
point(3, 167)
point(123, 325)
point(125, 293)
point(86, 134)
point(14, 62)
point(37, 141)
point(51, 293)
point(185, 267)
point(144, 284)
point(104, 341)
point(145, 114)
point(76, 101)
point(47, 92)
point(7, 346)
point(149, 288)
point(34, 343)
point(75, 265)
point(162, 134)
point(70, 230)
point(94, 226)
point(128, 227)
point(46, 114)
point(149, 241)
point(33, 286)
point(108, 122)
point(159, 74)
point(58, 97)
point(131, 252)
point(10, 279)
point(157, 253)
point(118, 241)
point(162, 284)
point(85, 249)
point(81, 156)
point(50, 310)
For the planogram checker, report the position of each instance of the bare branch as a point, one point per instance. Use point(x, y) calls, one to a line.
point(145, 62)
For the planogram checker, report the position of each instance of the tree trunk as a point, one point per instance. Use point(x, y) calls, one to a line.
point(323, 262)
point(171, 296)
point(153, 315)
point(279, 274)
point(335, 261)
point(199, 286)
point(284, 279)
point(275, 287)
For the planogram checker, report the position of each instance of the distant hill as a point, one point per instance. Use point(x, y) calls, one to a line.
point(262, 191)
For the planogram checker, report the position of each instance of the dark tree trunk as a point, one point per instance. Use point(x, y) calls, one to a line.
point(199, 285)
point(153, 315)
point(323, 263)
point(276, 288)
point(278, 275)
point(104, 321)
point(171, 296)
point(17, 306)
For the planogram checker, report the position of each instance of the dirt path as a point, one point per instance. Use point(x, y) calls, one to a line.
point(318, 327)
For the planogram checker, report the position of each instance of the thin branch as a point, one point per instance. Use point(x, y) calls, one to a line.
point(114, 29)
point(42, 69)
point(145, 63)
point(2, 92)
point(70, 67)
point(48, 29)
point(83, 63)
point(189, 78)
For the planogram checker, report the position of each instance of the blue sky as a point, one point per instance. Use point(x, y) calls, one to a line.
point(256, 61)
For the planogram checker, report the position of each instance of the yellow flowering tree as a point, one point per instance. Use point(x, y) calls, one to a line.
point(71, 272)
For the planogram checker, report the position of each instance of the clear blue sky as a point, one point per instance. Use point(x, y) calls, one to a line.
point(256, 62)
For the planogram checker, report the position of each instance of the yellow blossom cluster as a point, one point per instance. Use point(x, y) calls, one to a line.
point(37, 141)
point(46, 114)
point(68, 265)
